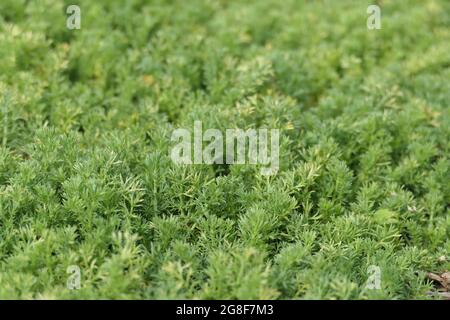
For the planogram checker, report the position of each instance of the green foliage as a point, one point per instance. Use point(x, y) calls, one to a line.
point(86, 178)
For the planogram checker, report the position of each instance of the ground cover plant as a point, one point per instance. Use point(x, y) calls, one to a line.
point(86, 179)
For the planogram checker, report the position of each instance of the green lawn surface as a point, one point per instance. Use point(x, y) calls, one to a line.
point(86, 177)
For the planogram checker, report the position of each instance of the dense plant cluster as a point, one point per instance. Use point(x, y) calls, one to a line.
point(86, 178)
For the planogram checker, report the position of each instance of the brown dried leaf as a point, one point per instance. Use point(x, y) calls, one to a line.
point(443, 279)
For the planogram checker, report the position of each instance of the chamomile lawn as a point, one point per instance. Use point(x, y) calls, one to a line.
point(86, 179)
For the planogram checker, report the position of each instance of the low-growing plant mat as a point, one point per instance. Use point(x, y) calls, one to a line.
point(86, 178)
